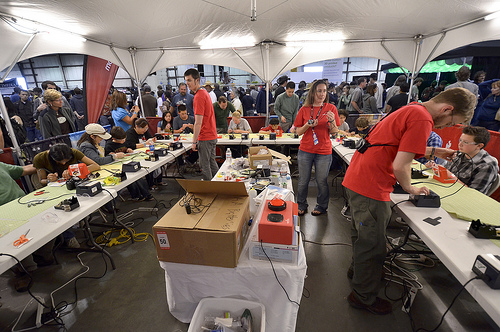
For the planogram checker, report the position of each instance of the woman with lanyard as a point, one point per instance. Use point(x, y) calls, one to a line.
point(316, 120)
point(55, 120)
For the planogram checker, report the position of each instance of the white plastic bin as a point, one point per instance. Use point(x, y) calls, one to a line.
point(217, 306)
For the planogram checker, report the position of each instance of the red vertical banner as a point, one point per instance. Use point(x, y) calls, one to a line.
point(99, 75)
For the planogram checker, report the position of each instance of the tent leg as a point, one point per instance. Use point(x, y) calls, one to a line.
point(18, 57)
point(418, 43)
point(133, 51)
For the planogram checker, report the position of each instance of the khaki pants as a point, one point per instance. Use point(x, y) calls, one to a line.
point(369, 222)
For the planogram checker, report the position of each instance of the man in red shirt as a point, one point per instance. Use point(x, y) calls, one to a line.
point(205, 130)
point(401, 137)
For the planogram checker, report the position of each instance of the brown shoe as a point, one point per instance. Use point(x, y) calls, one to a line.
point(379, 307)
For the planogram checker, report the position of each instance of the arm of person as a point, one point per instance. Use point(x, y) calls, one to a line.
point(198, 120)
point(443, 153)
point(356, 107)
point(92, 154)
point(2, 142)
point(130, 119)
point(91, 165)
point(402, 171)
point(482, 178)
point(28, 170)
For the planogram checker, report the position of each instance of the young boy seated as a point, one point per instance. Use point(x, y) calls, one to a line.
point(274, 127)
point(139, 189)
point(362, 127)
point(344, 126)
point(473, 165)
point(238, 125)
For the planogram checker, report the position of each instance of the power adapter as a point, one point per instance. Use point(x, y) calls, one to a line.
point(409, 299)
point(188, 208)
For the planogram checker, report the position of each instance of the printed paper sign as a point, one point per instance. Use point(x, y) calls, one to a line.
point(163, 240)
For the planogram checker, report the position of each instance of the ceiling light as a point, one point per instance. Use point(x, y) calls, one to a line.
point(492, 16)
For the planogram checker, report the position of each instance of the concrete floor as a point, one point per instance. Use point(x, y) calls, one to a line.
point(132, 297)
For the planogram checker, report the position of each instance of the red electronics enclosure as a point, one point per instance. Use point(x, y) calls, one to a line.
point(277, 232)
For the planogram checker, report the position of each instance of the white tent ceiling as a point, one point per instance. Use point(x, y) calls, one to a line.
point(168, 33)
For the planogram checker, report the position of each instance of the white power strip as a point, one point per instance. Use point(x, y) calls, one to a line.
point(39, 312)
point(409, 300)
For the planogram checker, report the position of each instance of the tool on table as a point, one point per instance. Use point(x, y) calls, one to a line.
point(22, 240)
point(33, 202)
point(41, 192)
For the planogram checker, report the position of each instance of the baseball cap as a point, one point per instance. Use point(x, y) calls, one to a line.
point(98, 130)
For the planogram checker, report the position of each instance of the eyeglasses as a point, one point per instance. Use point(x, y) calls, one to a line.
point(466, 143)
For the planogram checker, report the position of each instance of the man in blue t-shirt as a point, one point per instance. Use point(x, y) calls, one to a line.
point(182, 97)
point(183, 123)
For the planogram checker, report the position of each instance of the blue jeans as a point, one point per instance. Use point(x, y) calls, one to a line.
point(33, 134)
point(322, 164)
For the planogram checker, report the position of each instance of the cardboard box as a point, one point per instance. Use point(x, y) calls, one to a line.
point(215, 236)
point(259, 159)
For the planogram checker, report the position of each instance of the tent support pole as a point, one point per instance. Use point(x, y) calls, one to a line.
point(418, 43)
point(268, 86)
point(133, 51)
point(18, 57)
point(156, 62)
point(288, 63)
point(16, 148)
point(119, 61)
point(392, 57)
point(243, 60)
point(433, 50)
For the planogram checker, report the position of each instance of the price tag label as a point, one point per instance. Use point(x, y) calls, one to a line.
point(163, 240)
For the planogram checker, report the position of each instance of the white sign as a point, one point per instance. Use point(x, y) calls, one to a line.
point(332, 69)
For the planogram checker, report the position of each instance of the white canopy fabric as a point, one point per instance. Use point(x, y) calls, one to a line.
point(168, 33)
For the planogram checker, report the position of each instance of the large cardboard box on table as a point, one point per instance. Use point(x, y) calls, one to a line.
point(215, 236)
point(255, 159)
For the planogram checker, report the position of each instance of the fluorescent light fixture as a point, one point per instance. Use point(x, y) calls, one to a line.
point(231, 42)
point(313, 69)
point(492, 16)
point(64, 37)
point(316, 43)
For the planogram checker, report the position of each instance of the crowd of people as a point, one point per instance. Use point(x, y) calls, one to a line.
point(314, 111)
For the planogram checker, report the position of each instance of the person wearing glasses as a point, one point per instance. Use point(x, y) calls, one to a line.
point(395, 141)
point(475, 167)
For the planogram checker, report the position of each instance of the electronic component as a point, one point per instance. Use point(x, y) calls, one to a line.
point(231, 136)
point(68, 204)
point(162, 137)
point(80, 170)
point(276, 226)
point(131, 166)
point(349, 143)
point(430, 201)
point(89, 188)
point(484, 231)
point(261, 137)
point(175, 146)
point(487, 267)
point(72, 182)
point(244, 136)
point(418, 174)
point(397, 189)
point(295, 135)
point(152, 157)
point(160, 152)
point(272, 135)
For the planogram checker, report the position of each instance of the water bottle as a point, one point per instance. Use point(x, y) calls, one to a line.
point(252, 193)
point(151, 148)
point(283, 170)
point(229, 156)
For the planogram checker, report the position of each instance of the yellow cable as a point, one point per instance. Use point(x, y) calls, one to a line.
point(124, 237)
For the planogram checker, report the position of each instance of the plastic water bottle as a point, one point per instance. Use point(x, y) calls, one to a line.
point(229, 156)
point(252, 193)
point(283, 170)
point(152, 148)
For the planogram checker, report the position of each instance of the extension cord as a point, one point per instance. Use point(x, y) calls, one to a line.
point(409, 299)
point(39, 312)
